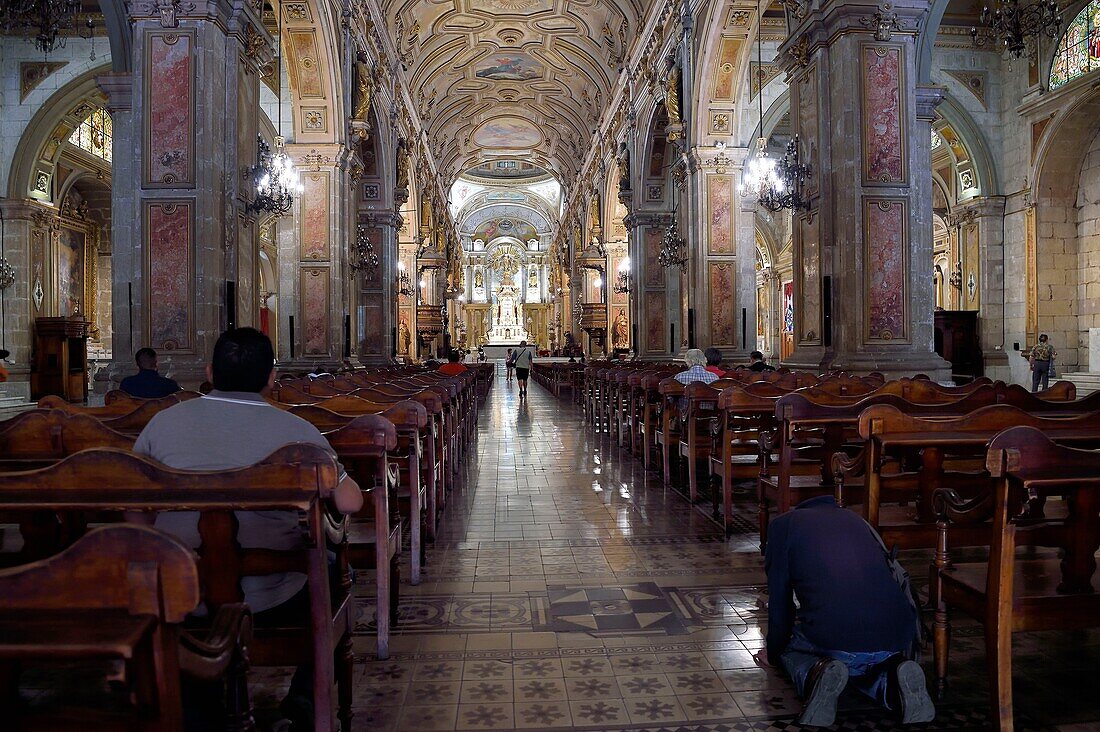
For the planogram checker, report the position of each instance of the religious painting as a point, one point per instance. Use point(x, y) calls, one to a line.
point(884, 147)
point(654, 272)
point(315, 315)
point(655, 322)
point(620, 329)
point(493, 228)
point(72, 242)
point(169, 130)
point(510, 67)
point(720, 214)
point(788, 307)
point(807, 126)
point(507, 132)
point(886, 267)
point(761, 310)
point(723, 304)
point(169, 226)
point(808, 267)
point(404, 333)
point(314, 216)
point(304, 64)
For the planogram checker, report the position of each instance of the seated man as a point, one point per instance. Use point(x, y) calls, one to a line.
point(696, 362)
point(147, 383)
point(854, 619)
point(452, 367)
point(232, 427)
point(758, 362)
point(3, 371)
point(714, 361)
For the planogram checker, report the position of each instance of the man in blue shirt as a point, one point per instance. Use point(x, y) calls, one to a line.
point(147, 383)
point(853, 619)
point(696, 370)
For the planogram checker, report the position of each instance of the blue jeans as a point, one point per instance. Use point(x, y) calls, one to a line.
point(865, 670)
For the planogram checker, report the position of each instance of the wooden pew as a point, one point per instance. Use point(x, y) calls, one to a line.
point(736, 455)
point(120, 593)
point(1014, 594)
point(121, 404)
point(297, 477)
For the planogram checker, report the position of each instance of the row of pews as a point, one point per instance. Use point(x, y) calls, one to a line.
point(81, 585)
point(930, 467)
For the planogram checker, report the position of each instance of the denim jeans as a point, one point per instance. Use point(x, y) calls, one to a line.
point(865, 669)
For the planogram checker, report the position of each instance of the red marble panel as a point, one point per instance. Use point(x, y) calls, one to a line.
point(370, 313)
point(807, 127)
point(654, 272)
point(723, 304)
point(808, 267)
point(169, 137)
point(314, 293)
point(883, 122)
point(720, 213)
point(314, 216)
point(169, 226)
point(655, 330)
point(886, 256)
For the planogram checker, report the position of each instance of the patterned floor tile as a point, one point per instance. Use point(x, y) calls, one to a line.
point(606, 712)
point(428, 718)
point(539, 690)
point(652, 709)
point(485, 716)
point(538, 715)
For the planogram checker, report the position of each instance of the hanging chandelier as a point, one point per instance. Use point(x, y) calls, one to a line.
point(776, 184)
point(1011, 24)
point(275, 178)
point(404, 282)
point(673, 247)
point(623, 281)
point(44, 22)
point(364, 257)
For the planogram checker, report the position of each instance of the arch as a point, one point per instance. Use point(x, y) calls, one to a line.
point(976, 144)
point(1087, 13)
point(926, 41)
point(42, 143)
point(116, 21)
point(310, 43)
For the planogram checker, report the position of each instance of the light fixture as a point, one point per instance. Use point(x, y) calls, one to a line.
point(404, 283)
point(623, 281)
point(673, 247)
point(598, 283)
point(1012, 24)
point(364, 256)
point(43, 22)
point(274, 175)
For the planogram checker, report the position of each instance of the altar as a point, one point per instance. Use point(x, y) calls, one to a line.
point(499, 351)
point(506, 330)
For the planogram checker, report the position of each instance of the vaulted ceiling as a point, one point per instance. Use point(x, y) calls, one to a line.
point(512, 78)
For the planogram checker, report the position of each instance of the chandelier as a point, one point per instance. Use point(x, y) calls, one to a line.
point(1011, 24)
point(623, 281)
point(673, 247)
point(364, 257)
point(777, 184)
point(43, 21)
point(275, 178)
point(404, 283)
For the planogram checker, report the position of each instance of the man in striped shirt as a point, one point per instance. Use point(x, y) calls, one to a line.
point(696, 371)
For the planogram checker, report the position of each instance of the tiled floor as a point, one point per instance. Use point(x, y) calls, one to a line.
point(568, 589)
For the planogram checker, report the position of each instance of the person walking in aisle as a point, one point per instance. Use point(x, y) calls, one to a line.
point(523, 360)
point(509, 364)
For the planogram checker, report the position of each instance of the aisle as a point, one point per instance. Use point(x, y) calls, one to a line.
point(568, 590)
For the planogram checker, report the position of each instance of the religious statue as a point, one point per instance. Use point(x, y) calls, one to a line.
point(404, 337)
point(402, 165)
point(624, 167)
point(479, 280)
point(620, 330)
point(363, 96)
point(533, 280)
point(672, 101)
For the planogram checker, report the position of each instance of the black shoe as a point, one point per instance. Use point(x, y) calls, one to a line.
point(299, 710)
point(907, 690)
point(826, 681)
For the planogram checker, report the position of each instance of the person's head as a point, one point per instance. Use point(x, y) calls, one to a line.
point(523, 344)
point(146, 358)
point(714, 356)
point(756, 356)
point(244, 360)
point(1043, 338)
point(695, 357)
point(453, 356)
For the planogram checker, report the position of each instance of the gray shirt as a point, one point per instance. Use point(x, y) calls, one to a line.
point(524, 358)
point(226, 430)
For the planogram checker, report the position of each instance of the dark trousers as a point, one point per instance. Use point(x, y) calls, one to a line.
point(1040, 371)
point(867, 671)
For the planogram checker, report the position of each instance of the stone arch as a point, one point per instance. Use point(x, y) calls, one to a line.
point(1049, 52)
point(310, 43)
point(116, 21)
point(926, 40)
point(952, 115)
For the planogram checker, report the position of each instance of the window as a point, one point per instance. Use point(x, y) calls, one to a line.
point(94, 134)
point(1079, 50)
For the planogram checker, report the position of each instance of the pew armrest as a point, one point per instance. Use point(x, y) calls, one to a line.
point(846, 468)
point(950, 507)
point(209, 658)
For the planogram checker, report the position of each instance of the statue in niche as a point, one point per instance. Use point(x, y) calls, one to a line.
point(363, 95)
point(620, 330)
point(479, 280)
point(624, 167)
point(404, 337)
point(533, 280)
point(402, 164)
point(672, 99)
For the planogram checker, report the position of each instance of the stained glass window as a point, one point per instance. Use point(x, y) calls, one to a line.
point(1079, 50)
point(936, 139)
point(94, 134)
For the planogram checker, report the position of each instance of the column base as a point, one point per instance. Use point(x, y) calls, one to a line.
point(892, 364)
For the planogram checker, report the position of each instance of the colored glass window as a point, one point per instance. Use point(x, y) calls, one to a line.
point(1079, 49)
point(94, 134)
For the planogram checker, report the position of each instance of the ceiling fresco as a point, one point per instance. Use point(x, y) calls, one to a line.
point(501, 77)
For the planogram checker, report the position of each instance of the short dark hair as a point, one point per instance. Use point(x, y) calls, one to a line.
point(243, 360)
point(1043, 337)
point(714, 356)
point(453, 356)
point(145, 358)
point(756, 356)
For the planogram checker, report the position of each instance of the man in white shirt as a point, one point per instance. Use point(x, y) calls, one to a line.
point(523, 359)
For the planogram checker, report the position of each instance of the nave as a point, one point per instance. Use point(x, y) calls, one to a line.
point(568, 588)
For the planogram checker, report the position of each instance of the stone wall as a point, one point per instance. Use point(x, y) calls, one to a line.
point(1088, 250)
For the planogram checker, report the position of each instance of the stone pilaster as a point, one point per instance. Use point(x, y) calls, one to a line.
point(375, 319)
point(982, 253)
point(185, 130)
point(862, 300)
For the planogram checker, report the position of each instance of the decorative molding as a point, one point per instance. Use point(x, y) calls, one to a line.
point(760, 75)
point(33, 73)
point(885, 22)
point(975, 82)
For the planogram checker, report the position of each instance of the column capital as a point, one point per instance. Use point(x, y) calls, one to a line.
point(928, 98)
point(119, 88)
point(28, 209)
point(983, 207)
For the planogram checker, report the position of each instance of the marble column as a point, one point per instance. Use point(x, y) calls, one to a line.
point(185, 125)
point(863, 301)
point(982, 253)
point(28, 228)
point(653, 304)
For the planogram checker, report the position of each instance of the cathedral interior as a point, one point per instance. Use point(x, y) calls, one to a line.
point(897, 187)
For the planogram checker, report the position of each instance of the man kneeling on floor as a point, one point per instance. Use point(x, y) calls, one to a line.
point(855, 620)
